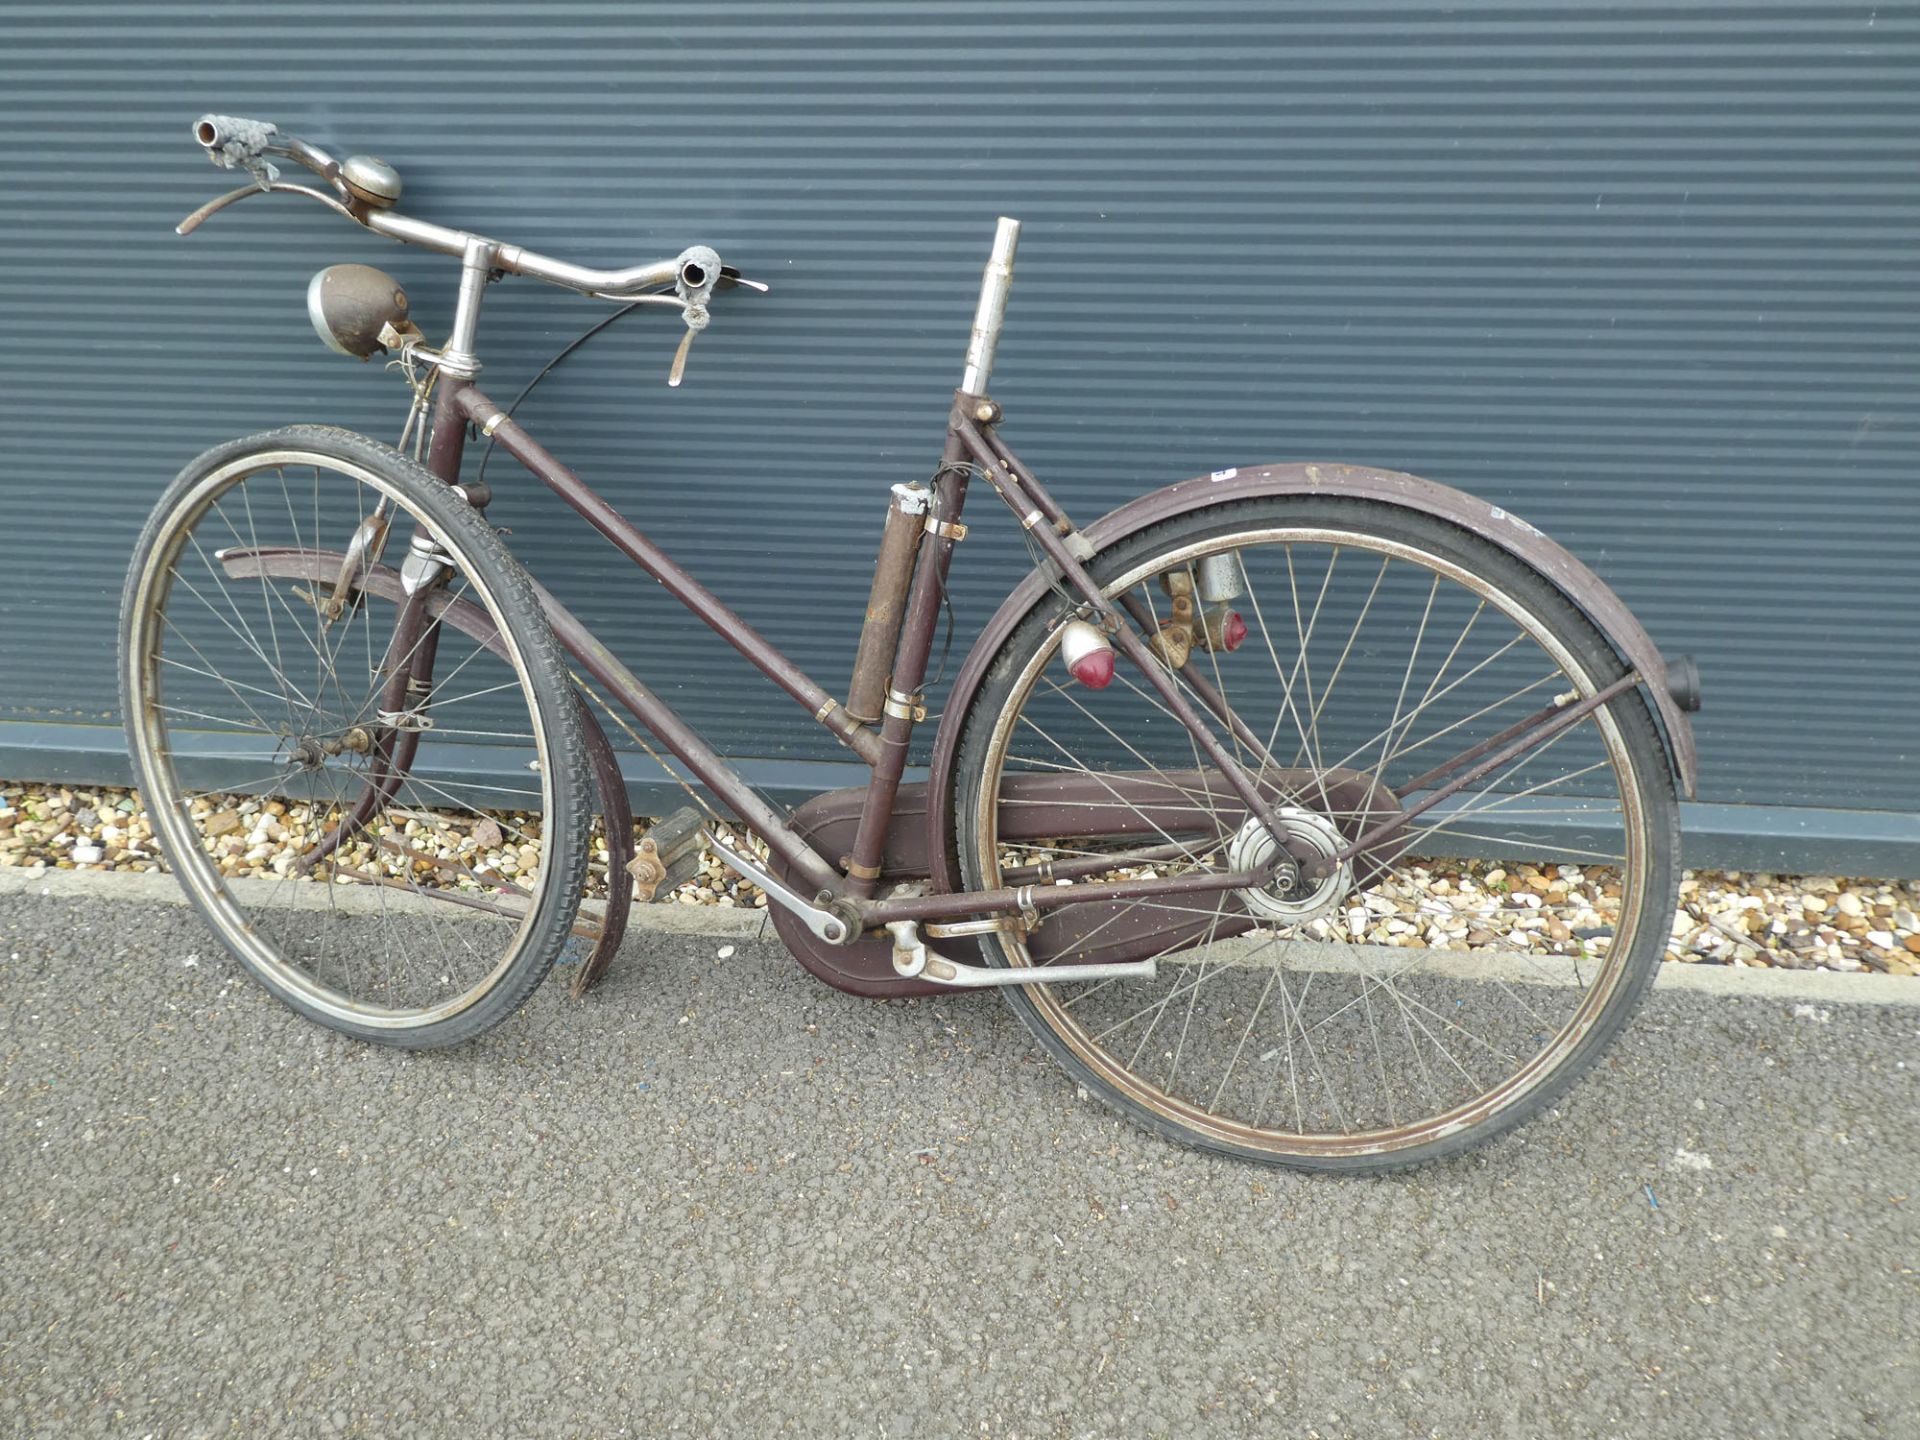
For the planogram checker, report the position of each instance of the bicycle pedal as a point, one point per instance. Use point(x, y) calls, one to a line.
point(667, 856)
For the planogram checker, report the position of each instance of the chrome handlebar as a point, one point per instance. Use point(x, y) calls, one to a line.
point(232, 142)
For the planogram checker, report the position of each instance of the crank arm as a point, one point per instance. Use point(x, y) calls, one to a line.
point(824, 923)
point(912, 958)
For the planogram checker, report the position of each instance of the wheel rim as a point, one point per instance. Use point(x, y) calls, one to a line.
point(1349, 1034)
point(251, 715)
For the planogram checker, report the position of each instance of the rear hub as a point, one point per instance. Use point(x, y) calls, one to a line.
point(1291, 898)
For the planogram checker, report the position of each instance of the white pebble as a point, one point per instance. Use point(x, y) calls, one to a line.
point(725, 952)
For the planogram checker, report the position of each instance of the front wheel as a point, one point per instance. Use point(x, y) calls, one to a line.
point(380, 811)
point(1433, 990)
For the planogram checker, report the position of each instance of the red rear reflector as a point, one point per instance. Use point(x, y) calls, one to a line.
point(1094, 669)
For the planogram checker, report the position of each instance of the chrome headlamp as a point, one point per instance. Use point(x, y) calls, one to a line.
point(351, 304)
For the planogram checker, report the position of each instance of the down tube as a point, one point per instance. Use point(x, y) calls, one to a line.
point(707, 764)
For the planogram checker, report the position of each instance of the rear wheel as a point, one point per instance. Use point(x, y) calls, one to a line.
point(397, 858)
point(1438, 987)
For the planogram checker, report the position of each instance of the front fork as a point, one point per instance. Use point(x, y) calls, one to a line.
point(396, 738)
point(411, 649)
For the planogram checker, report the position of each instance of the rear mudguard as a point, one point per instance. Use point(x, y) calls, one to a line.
point(1409, 492)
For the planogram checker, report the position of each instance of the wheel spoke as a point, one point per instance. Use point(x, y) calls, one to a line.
point(1324, 1033)
point(374, 876)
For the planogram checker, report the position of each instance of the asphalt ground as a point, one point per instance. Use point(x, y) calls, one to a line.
point(718, 1199)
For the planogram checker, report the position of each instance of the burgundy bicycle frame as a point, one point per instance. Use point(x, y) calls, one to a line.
point(885, 753)
point(970, 445)
point(973, 446)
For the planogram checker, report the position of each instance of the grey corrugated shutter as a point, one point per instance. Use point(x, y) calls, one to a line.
point(1645, 273)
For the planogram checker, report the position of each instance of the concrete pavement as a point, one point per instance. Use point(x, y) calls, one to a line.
point(718, 1199)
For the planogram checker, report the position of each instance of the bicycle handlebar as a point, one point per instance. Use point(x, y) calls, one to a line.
point(234, 142)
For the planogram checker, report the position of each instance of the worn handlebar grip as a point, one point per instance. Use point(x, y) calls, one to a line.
point(233, 142)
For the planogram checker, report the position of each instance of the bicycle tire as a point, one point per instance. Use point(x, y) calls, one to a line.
point(535, 904)
point(1623, 731)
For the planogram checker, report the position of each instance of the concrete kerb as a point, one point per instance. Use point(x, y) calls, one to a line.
point(153, 888)
point(1730, 981)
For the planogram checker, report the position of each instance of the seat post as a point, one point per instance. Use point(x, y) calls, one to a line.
point(994, 285)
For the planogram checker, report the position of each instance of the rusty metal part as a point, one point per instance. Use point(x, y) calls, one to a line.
point(1210, 631)
point(909, 667)
point(1204, 691)
point(904, 707)
point(946, 529)
point(648, 870)
point(887, 600)
point(369, 539)
point(1173, 638)
point(1172, 645)
point(668, 855)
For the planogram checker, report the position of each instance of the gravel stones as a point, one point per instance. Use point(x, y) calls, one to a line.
point(1725, 918)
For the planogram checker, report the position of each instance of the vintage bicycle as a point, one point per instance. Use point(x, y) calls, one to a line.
point(1312, 813)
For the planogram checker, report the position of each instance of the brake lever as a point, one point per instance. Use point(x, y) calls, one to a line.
point(678, 370)
point(219, 202)
point(697, 318)
point(278, 187)
point(694, 299)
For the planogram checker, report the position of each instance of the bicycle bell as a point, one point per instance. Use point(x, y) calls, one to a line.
point(351, 304)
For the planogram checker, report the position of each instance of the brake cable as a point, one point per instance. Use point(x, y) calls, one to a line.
point(546, 370)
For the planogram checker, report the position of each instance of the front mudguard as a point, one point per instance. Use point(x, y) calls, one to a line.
point(320, 567)
point(1387, 487)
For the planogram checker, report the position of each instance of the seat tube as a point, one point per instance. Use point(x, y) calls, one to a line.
point(930, 577)
point(909, 672)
